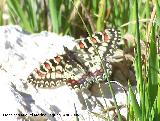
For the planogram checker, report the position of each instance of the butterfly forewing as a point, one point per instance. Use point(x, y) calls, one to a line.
point(79, 67)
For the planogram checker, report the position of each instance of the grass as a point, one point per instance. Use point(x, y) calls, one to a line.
point(134, 17)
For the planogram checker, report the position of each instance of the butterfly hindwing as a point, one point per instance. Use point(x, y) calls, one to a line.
point(58, 71)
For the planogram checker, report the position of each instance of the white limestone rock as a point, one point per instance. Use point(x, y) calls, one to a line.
point(20, 53)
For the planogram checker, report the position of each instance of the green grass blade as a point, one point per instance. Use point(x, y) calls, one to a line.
point(16, 9)
point(53, 7)
point(138, 52)
point(139, 77)
point(158, 12)
point(134, 105)
point(101, 15)
point(31, 10)
point(147, 9)
point(158, 98)
point(153, 71)
point(153, 67)
point(1, 17)
point(95, 6)
point(2, 5)
point(132, 17)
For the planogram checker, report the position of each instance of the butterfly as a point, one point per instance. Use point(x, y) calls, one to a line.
point(80, 67)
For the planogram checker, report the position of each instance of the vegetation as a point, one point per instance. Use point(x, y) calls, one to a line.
point(140, 18)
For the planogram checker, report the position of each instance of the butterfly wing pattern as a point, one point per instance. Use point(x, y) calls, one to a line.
point(80, 67)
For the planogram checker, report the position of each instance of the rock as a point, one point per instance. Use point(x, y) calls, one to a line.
point(21, 52)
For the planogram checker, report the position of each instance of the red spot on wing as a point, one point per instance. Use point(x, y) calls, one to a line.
point(81, 45)
point(106, 37)
point(93, 40)
point(58, 59)
point(39, 73)
point(47, 66)
point(73, 81)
